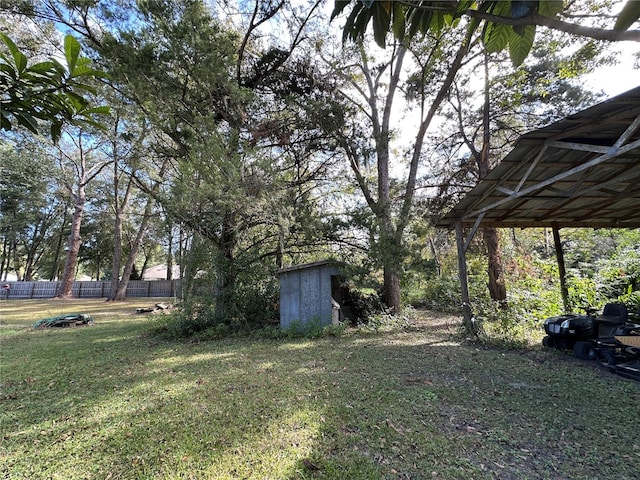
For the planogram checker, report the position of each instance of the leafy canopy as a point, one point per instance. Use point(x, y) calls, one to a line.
point(505, 24)
point(48, 91)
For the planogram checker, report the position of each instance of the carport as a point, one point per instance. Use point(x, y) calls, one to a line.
point(583, 171)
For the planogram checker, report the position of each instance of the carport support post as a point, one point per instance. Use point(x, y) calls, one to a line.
point(561, 268)
point(464, 282)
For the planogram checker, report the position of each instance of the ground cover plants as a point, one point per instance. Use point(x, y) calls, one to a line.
point(112, 401)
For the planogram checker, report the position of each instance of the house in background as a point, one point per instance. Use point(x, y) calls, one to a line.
point(159, 272)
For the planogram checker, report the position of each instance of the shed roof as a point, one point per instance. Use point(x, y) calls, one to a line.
point(583, 171)
point(306, 266)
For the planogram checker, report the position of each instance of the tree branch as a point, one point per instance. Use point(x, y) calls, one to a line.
point(572, 28)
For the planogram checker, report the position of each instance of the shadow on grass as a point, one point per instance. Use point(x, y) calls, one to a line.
point(110, 402)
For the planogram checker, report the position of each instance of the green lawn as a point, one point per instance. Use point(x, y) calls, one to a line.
point(109, 401)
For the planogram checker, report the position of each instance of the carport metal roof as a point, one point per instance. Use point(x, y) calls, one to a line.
point(583, 171)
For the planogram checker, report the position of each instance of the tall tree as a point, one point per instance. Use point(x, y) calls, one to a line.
point(127, 147)
point(29, 206)
point(79, 164)
point(225, 118)
point(374, 91)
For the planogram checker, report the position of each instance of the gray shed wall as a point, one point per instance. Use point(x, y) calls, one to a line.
point(305, 296)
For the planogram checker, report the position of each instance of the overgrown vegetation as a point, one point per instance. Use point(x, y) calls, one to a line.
point(110, 401)
point(603, 266)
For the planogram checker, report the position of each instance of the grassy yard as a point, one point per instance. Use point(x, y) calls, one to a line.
point(109, 401)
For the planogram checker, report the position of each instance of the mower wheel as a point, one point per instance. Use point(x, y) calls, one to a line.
point(584, 350)
point(548, 342)
point(607, 358)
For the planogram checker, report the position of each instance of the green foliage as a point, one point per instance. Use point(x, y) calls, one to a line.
point(364, 304)
point(632, 301)
point(407, 19)
point(248, 309)
point(32, 206)
point(582, 292)
point(49, 91)
point(620, 274)
point(440, 293)
point(311, 330)
point(605, 267)
point(250, 303)
point(386, 322)
point(509, 326)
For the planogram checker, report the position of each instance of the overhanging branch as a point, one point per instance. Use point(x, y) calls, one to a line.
point(572, 28)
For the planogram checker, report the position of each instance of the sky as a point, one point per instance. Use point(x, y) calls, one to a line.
point(617, 79)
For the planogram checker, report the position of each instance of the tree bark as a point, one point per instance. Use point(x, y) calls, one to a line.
point(390, 234)
point(226, 280)
point(169, 275)
point(121, 291)
point(497, 286)
point(4, 270)
point(391, 295)
point(55, 268)
point(117, 255)
point(495, 270)
point(380, 122)
point(73, 246)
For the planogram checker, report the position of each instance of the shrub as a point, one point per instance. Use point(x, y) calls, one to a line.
point(362, 306)
point(248, 309)
point(385, 322)
point(441, 293)
point(311, 330)
point(511, 325)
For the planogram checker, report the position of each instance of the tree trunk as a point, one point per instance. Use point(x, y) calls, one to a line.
point(225, 284)
point(121, 291)
point(497, 286)
point(434, 254)
point(16, 260)
point(117, 255)
point(73, 246)
point(55, 268)
point(119, 207)
point(4, 257)
point(392, 289)
point(170, 253)
point(31, 250)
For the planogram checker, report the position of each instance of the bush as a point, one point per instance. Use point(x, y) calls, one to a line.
point(362, 306)
point(511, 325)
point(441, 293)
point(247, 310)
point(385, 322)
point(190, 318)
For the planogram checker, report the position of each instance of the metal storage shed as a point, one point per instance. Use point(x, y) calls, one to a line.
point(309, 293)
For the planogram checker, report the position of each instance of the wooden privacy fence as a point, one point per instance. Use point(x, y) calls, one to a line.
point(136, 288)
